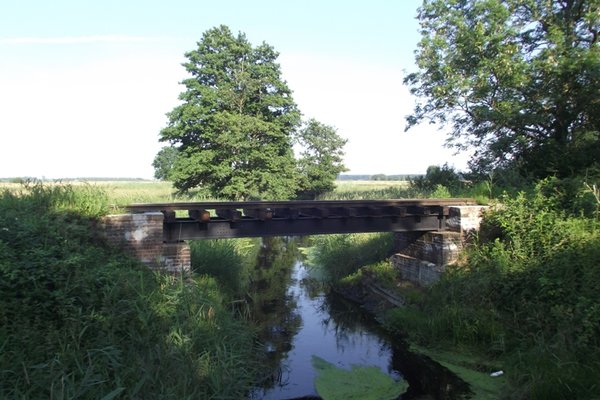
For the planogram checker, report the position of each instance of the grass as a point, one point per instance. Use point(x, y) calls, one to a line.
point(80, 320)
point(371, 190)
point(342, 255)
point(229, 261)
point(526, 298)
point(470, 368)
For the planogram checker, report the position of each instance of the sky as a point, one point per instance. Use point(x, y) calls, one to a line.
point(85, 85)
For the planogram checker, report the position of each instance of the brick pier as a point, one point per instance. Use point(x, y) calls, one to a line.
point(423, 257)
point(141, 236)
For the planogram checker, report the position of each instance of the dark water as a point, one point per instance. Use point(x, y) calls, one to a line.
point(299, 319)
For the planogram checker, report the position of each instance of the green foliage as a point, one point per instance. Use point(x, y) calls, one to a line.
point(439, 177)
point(228, 261)
point(163, 163)
point(528, 295)
point(364, 383)
point(382, 272)
point(516, 80)
point(81, 320)
point(321, 159)
point(343, 255)
point(234, 128)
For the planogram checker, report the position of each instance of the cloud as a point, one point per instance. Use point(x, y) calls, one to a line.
point(27, 40)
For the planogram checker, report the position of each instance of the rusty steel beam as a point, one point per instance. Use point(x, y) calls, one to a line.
point(282, 218)
point(192, 230)
point(296, 204)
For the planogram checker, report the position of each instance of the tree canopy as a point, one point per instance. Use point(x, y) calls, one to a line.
point(234, 128)
point(163, 163)
point(321, 159)
point(519, 80)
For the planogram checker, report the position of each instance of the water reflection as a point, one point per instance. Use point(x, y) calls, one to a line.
point(272, 308)
point(297, 318)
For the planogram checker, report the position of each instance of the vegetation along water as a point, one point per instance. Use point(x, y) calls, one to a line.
point(81, 320)
point(518, 317)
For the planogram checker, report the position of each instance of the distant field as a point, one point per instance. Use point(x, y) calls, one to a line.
point(121, 192)
point(351, 186)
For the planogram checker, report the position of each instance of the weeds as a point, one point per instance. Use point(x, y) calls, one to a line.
point(229, 261)
point(80, 320)
point(342, 255)
point(528, 296)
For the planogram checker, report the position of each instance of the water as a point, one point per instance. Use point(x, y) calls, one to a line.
point(298, 320)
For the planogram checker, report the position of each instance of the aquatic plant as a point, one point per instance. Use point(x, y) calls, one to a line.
point(361, 382)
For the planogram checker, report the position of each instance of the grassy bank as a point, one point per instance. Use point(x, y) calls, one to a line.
point(229, 261)
point(80, 320)
point(526, 297)
point(525, 301)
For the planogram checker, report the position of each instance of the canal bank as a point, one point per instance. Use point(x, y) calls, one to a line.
point(301, 321)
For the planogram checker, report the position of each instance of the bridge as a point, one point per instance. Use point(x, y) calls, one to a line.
point(217, 220)
point(429, 233)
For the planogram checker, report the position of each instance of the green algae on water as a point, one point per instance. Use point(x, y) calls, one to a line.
point(364, 383)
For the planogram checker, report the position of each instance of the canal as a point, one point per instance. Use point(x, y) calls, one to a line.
point(301, 323)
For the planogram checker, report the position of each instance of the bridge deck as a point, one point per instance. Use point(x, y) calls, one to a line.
point(228, 219)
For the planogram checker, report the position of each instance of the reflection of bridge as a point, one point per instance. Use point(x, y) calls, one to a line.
point(209, 220)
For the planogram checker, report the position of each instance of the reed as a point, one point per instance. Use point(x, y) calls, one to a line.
point(80, 320)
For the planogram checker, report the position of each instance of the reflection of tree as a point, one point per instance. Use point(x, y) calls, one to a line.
point(346, 319)
point(271, 306)
point(424, 376)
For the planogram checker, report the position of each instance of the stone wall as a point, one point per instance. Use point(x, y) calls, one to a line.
point(422, 257)
point(141, 236)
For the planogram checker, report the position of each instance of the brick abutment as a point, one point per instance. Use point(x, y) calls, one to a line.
point(141, 236)
point(422, 257)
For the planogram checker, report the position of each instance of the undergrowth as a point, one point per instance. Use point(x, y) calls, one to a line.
point(229, 261)
point(80, 320)
point(527, 296)
point(342, 255)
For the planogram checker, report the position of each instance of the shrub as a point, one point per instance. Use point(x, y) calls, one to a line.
point(528, 294)
point(436, 176)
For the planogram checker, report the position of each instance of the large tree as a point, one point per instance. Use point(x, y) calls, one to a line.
point(321, 159)
point(235, 126)
point(519, 80)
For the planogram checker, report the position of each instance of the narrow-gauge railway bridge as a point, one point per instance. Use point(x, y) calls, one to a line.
point(428, 232)
point(211, 220)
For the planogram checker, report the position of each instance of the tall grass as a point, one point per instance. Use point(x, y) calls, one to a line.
point(528, 296)
point(342, 255)
point(80, 320)
point(372, 190)
point(229, 261)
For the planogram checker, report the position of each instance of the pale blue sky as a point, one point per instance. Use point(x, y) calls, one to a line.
point(85, 85)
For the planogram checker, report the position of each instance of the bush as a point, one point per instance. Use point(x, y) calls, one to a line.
point(436, 177)
point(528, 295)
